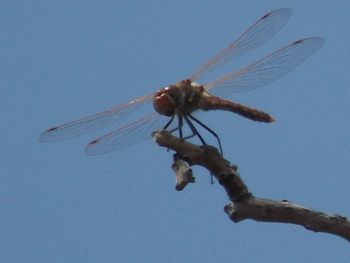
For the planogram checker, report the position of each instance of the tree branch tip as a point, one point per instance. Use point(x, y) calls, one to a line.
point(230, 210)
point(234, 167)
point(339, 218)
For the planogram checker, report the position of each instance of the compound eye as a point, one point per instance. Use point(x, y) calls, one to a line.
point(164, 104)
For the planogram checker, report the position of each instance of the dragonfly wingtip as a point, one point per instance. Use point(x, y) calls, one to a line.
point(89, 149)
point(285, 12)
point(44, 137)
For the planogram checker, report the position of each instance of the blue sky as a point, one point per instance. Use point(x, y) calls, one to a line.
point(61, 60)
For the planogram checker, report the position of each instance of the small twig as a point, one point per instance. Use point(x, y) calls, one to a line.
point(243, 204)
point(209, 158)
point(183, 173)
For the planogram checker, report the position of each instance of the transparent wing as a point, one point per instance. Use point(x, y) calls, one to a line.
point(267, 69)
point(128, 135)
point(93, 122)
point(259, 33)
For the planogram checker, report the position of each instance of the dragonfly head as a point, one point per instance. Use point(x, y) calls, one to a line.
point(164, 103)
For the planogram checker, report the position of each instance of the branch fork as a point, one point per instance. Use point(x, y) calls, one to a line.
point(243, 204)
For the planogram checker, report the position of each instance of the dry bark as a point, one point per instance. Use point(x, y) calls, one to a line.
point(243, 204)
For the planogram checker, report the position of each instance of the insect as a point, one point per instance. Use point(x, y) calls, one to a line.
point(185, 97)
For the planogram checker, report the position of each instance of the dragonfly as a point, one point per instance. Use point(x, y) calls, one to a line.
point(186, 97)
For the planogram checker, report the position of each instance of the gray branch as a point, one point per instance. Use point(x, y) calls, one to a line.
point(243, 204)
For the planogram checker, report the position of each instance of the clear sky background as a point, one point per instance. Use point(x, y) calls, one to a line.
point(61, 60)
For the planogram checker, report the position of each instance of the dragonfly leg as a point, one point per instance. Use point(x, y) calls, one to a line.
point(173, 130)
point(180, 121)
point(190, 136)
point(209, 130)
point(168, 123)
point(177, 128)
point(185, 138)
point(194, 130)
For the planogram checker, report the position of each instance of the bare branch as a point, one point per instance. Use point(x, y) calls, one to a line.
point(209, 158)
point(243, 204)
point(265, 210)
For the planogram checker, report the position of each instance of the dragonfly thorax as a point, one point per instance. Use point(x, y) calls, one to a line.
point(182, 96)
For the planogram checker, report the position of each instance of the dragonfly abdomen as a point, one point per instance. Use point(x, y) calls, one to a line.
point(216, 103)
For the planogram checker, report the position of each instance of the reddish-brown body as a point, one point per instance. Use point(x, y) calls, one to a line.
point(186, 97)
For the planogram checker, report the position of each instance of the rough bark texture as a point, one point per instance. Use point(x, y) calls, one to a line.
point(243, 204)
